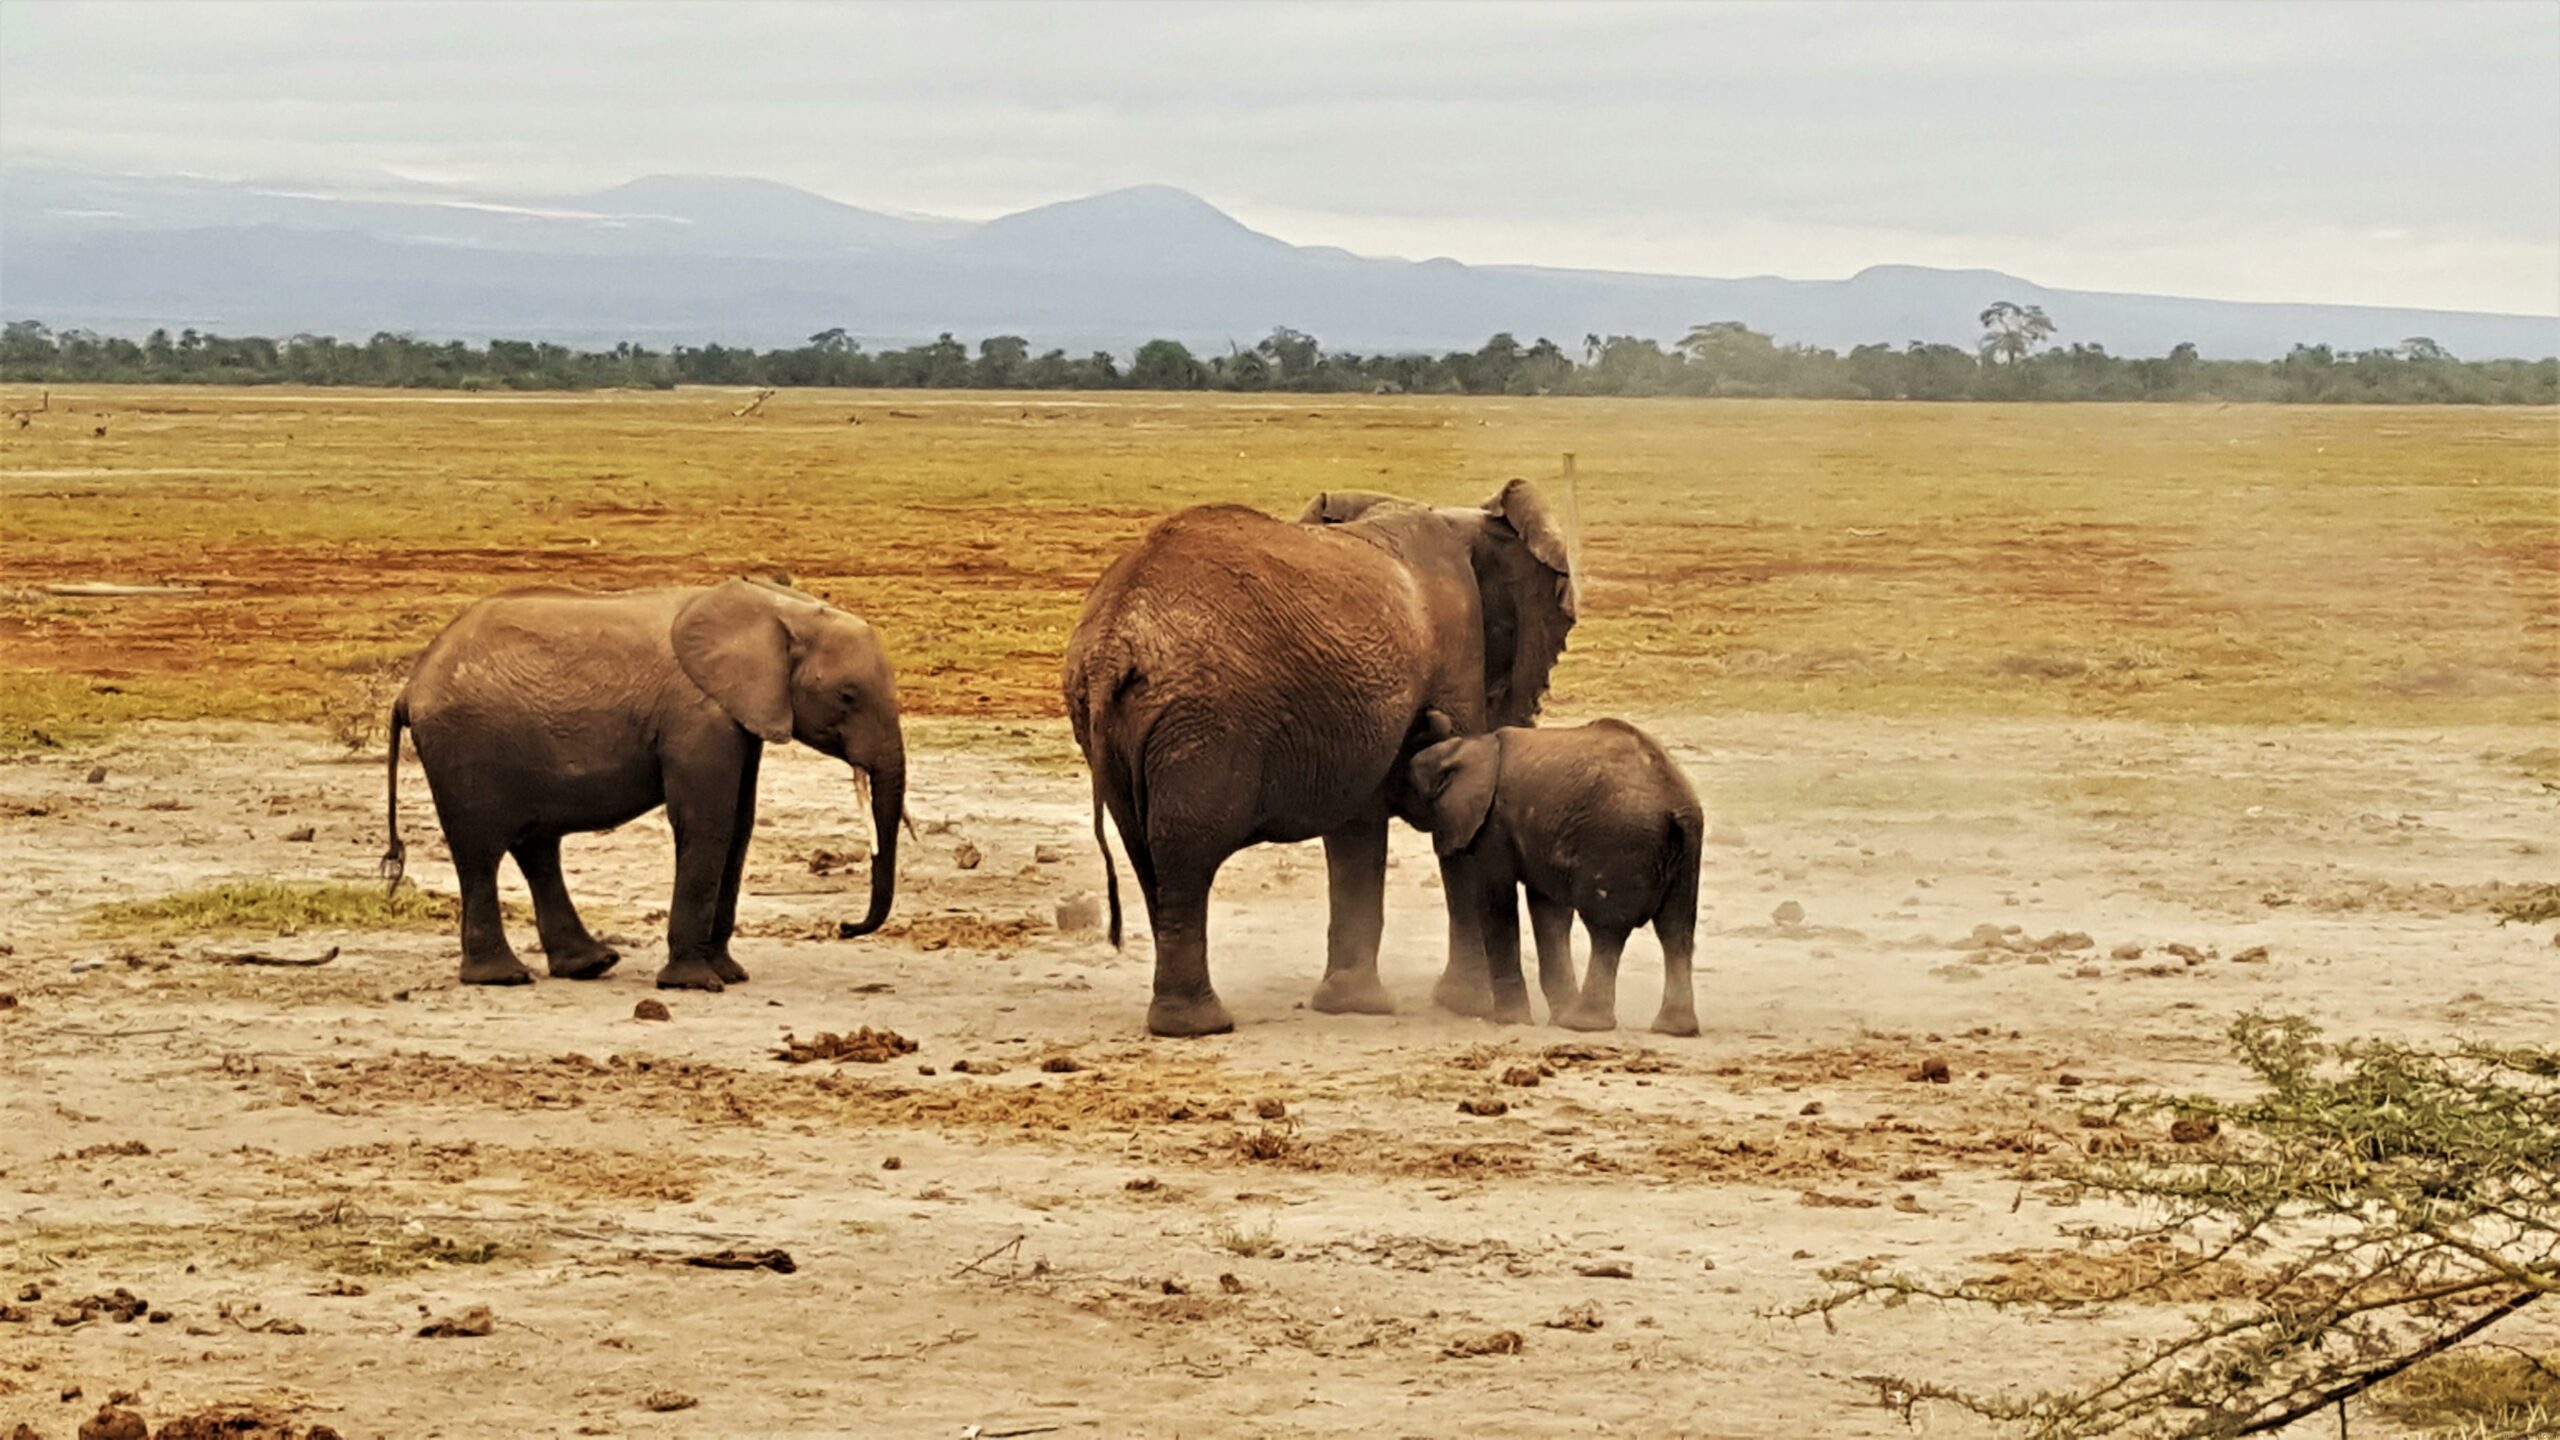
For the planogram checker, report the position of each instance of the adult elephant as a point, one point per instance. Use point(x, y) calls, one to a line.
point(548, 711)
point(1237, 679)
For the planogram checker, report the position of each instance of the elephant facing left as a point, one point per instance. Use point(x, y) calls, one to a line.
point(545, 712)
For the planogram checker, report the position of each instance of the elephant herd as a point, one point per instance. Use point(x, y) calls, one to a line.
point(1233, 680)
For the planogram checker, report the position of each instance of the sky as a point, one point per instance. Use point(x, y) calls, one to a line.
point(2363, 153)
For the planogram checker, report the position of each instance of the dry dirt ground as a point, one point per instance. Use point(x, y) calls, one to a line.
point(1292, 1230)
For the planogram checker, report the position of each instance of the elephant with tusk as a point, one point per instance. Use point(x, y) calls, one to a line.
point(545, 712)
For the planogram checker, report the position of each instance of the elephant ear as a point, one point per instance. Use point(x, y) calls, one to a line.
point(1466, 781)
point(735, 640)
point(1524, 570)
point(1526, 512)
point(1341, 507)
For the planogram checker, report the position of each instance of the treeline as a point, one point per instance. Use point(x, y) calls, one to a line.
point(1721, 359)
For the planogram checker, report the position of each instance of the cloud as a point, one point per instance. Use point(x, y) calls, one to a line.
point(2339, 152)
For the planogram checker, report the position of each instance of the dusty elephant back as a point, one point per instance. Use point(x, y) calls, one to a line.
point(542, 653)
point(1608, 766)
point(551, 618)
point(1288, 657)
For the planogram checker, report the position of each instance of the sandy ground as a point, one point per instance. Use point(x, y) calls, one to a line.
point(299, 1166)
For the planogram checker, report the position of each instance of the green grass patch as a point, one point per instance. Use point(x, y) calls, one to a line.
point(276, 907)
point(53, 710)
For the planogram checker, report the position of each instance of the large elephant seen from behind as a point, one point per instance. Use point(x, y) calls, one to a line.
point(1237, 679)
point(547, 712)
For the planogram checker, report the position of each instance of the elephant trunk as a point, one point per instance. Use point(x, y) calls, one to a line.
point(888, 810)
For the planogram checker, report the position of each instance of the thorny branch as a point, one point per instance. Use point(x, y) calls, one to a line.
point(2411, 1197)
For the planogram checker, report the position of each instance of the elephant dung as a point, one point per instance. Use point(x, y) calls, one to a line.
point(864, 1046)
point(1584, 1317)
point(650, 1010)
point(462, 1324)
point(1484, 1107)
point(967, 856)
point(111, 1423)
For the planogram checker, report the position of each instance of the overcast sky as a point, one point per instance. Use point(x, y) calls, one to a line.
point(2367, 153)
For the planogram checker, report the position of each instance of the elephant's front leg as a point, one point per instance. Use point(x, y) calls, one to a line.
point(1497, 898)
point(703, 811)
point(1355, 860)
point(742, 830)
point(1463, 989)
point(1551, 921)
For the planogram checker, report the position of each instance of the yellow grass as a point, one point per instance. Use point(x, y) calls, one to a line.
point(2484, 1391)
point(2178, 563)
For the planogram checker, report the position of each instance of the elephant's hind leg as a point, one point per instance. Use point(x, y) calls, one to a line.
point(1597, 1009)
point(1676, 925)
point(572, 952)
point(1355, 861)
point(487, 959)
point(1178, 910)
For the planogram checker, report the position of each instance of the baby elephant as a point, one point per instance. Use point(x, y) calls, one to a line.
point(1595, 821)
point(548, 712)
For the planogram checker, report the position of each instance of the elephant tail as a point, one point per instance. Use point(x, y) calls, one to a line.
point(1117, 760)
point(1110, 867)
point(1676, 923)
point(395, 860)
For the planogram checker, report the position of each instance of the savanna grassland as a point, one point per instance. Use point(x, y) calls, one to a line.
point(2175, 563)
point(2039, 742)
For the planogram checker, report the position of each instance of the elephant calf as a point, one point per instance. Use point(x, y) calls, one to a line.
point(1594, 821)
point(547, 712)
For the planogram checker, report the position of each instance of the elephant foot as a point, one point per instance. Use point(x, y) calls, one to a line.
point(730, 971)
point(1683, 1021)
point(1579, 1016)
point(494, 970)
point(1460, 998)
point(1352, 992)
point(1512, 1010)
point(1559, 1001)
point(690, 975)
point(1180, 1015)
point(583, 962)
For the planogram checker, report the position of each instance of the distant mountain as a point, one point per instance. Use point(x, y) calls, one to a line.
point(743, 261)
point(727, 215)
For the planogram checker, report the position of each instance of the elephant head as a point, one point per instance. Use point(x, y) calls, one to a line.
point(786, 666)
point(1455, 782)
point(1521, 559)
